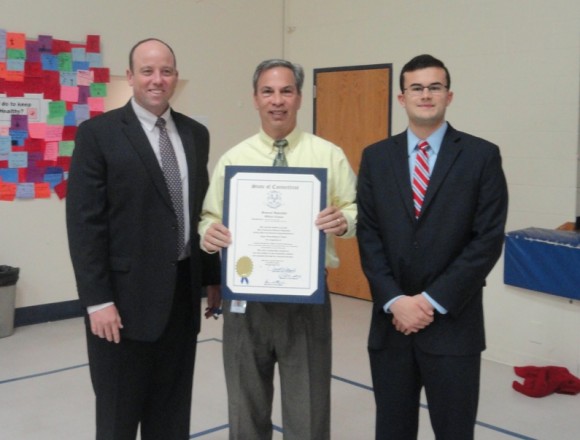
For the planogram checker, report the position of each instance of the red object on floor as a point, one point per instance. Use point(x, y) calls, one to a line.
point(543, 381)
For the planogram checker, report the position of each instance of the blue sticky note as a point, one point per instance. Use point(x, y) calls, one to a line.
point(49, 61)
point(95, 59)
point(82, 112)
point(70, 119)
point(9, 175)
point(68, 79)
point(53, 178)
point(15, 65)
point(79, 54)
point(80, 65)
point(18, 137)
point(2, 44)
point(5, 144)
point(25, 191)
point(18, 159)
point(54, 170)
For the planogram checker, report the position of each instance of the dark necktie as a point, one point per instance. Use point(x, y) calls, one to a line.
point(280, 159)
point(421, 176)
point(173, 181)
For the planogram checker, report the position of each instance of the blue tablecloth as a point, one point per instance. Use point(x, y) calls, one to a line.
point(544, 260)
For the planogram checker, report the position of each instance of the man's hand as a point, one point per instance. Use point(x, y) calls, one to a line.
point(106, 323)
point(331, 221)
point(216, 237)
point(412, 313)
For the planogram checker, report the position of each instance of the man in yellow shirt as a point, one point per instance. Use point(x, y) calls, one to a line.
point(296, 336)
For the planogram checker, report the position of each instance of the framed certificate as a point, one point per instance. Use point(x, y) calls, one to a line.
point(277, 252)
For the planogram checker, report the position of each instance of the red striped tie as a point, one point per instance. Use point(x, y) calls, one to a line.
point(420, 176)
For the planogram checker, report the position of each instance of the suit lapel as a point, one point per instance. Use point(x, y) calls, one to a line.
point(399, 161)
point(140, 143)
point(450, 149)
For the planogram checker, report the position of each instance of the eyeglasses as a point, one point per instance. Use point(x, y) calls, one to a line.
point(434, 89)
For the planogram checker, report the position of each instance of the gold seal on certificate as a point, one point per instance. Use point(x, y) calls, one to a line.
point(244, 268)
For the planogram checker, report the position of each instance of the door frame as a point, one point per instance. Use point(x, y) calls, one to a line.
point(349, 68)
point(351, 283)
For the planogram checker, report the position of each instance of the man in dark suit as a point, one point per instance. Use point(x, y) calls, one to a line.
point(426, 254)
point(135, 190)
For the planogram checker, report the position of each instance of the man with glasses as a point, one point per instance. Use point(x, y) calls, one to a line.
point(432, 210)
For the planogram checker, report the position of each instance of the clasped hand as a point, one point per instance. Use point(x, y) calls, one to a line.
point(412, 313)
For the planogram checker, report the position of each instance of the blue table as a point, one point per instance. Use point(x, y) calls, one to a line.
point(544, 260)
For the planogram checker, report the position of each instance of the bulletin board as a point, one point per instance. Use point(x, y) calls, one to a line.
point(48, 86)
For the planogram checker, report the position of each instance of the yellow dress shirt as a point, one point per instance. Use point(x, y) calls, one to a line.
point(303, 150)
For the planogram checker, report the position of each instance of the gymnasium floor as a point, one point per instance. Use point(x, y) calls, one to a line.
point(45, 391)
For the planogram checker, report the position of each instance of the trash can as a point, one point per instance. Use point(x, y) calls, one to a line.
point(8, 279)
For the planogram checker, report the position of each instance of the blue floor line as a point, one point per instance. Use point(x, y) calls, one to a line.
point(350, 382)
point(504, 431)
point(201, 341)
point(276, 428)
point(45, 373)
point(60, 370)
point(209, 431)
point(424, 406)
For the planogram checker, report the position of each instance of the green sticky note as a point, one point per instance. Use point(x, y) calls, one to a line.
point(16, 54)
point(65, 62)
point(98, 89)
point(65, 148)
point(55, 120)
point(56, 109)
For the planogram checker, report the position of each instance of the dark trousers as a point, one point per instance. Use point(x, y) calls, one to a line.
point(297, 337)
point(451, 386)
point(147, 383)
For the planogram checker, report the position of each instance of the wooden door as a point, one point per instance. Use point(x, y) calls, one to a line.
point(352, 108)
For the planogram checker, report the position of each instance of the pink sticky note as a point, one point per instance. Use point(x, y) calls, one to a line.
point(37, 130)
point(51, 151)
point(69, 93)
point(54, 133)
point(96, 104)
point(84, 77)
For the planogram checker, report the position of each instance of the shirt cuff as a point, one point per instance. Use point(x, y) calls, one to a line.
point(435, 304)
point(387, 306)
point(93, 309)
point(442, 310)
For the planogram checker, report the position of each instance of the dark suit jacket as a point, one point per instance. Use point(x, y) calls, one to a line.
point(121, 225)
point(448, 252)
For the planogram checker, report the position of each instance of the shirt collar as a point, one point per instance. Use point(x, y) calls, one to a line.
point(435, 139)
point(293, 138)
point(148, 119)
